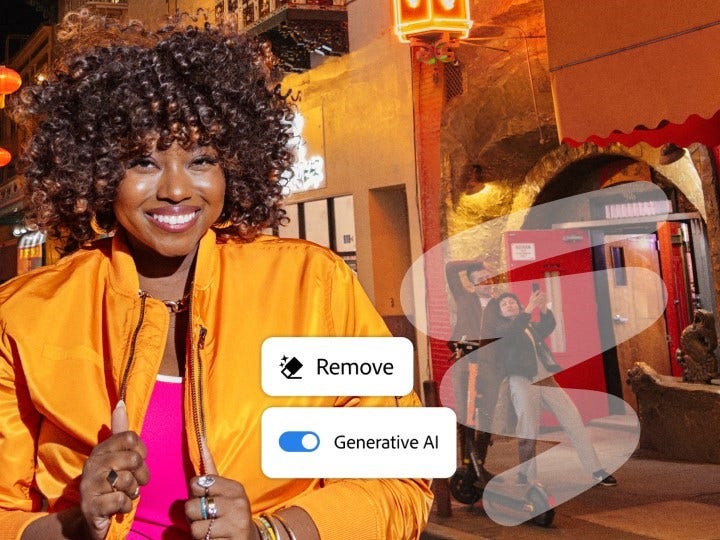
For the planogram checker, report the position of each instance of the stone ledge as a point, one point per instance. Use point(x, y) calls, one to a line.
point(679, 420)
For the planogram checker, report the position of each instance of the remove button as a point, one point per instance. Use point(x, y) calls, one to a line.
point(299, 441)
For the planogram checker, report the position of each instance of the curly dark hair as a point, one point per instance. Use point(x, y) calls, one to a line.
point(120, 89)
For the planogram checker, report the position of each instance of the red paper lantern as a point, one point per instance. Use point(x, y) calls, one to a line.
point(414, 18)
point(5, 157)
point(10, 81)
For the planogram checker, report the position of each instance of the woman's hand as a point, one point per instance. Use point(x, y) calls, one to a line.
point(112, 475)
point(226, 509)
point(538, 299)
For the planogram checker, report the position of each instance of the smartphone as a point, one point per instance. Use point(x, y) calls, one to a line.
point(535, 287)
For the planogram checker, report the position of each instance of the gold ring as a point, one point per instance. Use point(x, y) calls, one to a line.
point(112, 478)
point(211, 508)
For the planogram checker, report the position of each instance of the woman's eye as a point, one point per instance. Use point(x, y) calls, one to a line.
point(202, 161)
point(141, 163)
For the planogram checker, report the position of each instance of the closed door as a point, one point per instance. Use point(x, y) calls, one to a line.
point(637, 305)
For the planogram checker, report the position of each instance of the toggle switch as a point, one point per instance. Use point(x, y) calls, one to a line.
point(299, 441)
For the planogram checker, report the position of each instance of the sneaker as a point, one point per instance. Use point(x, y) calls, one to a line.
point(604, 478)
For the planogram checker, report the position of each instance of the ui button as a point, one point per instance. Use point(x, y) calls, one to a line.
point(299, 441)
point(337, 366)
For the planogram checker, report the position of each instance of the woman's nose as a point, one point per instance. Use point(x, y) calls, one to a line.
point(175, 184)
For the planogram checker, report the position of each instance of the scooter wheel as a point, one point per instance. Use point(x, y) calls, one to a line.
point(462, 486)
point(539, 501)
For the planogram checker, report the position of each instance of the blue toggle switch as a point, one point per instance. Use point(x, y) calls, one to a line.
point(299, 441)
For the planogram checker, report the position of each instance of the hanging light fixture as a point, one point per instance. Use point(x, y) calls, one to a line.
point(433, 27)
point(417, 18)
point(5, 157)
point(10, 81)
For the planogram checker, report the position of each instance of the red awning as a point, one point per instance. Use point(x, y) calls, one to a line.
point(635, 70)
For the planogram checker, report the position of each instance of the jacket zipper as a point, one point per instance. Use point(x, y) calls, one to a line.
point(131, 356)
point(196, 397)
point(196, 387)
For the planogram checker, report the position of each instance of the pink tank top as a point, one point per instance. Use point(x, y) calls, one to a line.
point(161, 511)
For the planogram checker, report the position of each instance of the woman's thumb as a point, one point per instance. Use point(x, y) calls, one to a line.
point(207, 458)
point(119, 422)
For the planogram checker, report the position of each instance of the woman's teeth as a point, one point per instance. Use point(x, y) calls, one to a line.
point(174, 220)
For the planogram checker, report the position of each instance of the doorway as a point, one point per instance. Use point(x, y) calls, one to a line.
point(639, 334)
point(390, 241)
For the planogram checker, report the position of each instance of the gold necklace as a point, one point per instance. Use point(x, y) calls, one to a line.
point(174, 306)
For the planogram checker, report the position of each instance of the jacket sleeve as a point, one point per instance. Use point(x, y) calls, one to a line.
point(366, 509)
point(19, 501)
point(544, 327)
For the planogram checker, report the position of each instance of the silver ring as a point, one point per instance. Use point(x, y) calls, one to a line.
point(203, 508)
point(112, 478)
point(211, 508)
point(206, 481)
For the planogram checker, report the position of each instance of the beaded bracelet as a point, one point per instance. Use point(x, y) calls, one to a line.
point(264, 534)
point(268, 527)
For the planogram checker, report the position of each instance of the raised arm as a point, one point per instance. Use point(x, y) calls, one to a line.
point(453, 270)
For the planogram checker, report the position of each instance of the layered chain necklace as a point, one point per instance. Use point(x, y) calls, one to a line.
point(174, 306)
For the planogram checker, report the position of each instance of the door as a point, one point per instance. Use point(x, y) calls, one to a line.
point(635, 304)
point(560, 262)
point(678, 280)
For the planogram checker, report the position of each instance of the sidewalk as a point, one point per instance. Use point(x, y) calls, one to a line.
point(654, 498)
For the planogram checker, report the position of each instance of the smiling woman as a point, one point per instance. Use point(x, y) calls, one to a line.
point(137, 413)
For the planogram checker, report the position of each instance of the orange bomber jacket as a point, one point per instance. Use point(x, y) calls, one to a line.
point(68, 343)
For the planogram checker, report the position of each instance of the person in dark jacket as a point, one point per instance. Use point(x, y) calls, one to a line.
point(516, 351)
point(476, 379)
point(521, 339)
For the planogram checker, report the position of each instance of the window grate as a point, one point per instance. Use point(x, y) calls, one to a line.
point(453, 81)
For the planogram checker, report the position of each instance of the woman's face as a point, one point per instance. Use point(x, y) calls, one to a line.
point(509, 307)
point(168, 200)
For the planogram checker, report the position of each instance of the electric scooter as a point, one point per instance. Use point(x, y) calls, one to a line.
point(470, 482)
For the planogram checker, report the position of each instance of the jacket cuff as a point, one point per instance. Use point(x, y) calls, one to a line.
point(358, 520)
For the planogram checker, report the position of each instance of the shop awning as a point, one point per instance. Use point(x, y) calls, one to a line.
point(635, 70)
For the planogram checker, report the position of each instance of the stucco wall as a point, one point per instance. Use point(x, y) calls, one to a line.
point(368, 137)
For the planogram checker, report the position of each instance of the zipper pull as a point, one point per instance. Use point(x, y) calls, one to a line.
point(201, 340)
